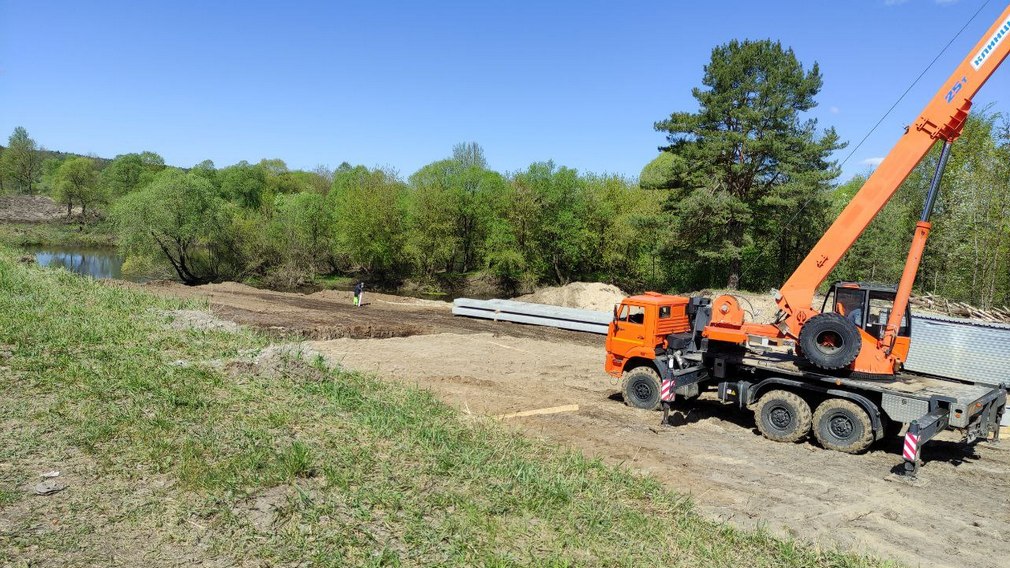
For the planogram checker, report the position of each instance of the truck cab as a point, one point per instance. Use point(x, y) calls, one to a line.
point(646, 341)
point(640, 325)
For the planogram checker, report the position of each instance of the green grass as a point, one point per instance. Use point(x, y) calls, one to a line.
point(200, 446)
point(335, 282)
point(58, 234)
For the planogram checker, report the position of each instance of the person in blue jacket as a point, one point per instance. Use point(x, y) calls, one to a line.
point(359, 288)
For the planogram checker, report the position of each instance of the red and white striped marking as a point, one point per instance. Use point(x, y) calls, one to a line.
point(666, 393)
point(911, 452)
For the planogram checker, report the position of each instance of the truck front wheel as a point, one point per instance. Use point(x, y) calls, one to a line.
point(782, 416)
point(641, 388)
point(843, 426)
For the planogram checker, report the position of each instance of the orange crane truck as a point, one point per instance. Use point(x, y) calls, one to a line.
point(836, 371)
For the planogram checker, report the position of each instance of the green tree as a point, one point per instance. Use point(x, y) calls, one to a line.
point(968, 253)
point(47, 180)
point(622, 225)
point(179, 217)
point(316, 181)
point(433, 212)
point(277, 179)
point(301, 231)
point(76, 181)
point(129, 172)
point(369, 229)
point(207, 171)
point(541, 232)
point(244, 184)
point(746, 141)
point(662, 171)
point(21, 162)
point(452, 207)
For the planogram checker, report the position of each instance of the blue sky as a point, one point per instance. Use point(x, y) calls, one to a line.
point(398, 83)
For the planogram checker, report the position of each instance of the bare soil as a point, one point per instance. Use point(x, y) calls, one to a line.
point(957, 514)
point(32, 209)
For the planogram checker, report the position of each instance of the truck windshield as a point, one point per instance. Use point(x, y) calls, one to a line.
point(631, 314)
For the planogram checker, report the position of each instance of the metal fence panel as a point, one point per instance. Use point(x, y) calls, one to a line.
point(960, 349)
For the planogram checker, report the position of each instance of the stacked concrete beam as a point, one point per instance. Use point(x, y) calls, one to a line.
point(533, 314)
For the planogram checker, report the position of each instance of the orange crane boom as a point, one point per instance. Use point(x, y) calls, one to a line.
point(941, 120)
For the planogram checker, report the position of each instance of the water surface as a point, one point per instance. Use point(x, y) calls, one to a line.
point(93, 262)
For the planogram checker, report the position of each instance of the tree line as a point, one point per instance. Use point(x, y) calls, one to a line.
point(452, 218)
point(741, 192)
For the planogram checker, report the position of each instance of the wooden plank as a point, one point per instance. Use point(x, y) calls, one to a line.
point(540, 411)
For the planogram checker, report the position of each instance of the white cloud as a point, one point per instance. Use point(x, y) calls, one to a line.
point(835, 110)
point(874, 162)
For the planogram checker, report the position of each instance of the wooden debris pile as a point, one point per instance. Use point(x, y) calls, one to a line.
point(940, 305)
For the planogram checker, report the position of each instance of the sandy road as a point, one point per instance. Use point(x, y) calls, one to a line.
point(958, 515)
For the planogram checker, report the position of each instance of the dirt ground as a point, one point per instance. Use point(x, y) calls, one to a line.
point(957, 514)
point(31, 209)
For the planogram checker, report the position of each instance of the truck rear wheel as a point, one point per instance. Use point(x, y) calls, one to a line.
point(641, 388)
point(830, 341)
point(843, 426)
point(782, 416)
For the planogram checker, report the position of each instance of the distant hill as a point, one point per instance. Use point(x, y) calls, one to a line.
point(47, 154)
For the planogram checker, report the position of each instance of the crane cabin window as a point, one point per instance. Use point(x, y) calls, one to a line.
point(849, 304)
point(880, 310)
point(664, 312)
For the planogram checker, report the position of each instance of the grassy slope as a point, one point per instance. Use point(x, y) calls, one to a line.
point(57, 234)
point(185, 445)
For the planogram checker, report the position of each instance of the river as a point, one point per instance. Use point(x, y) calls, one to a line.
point(94, 262)
point(107, 263)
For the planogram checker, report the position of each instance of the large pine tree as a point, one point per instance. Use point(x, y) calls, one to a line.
point(749, 163)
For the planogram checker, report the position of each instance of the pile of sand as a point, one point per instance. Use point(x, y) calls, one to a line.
point(760, 307)
point(582, 295)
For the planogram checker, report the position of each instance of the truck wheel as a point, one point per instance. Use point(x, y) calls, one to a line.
point(782, 416)
point(830, 341)
point(641, 388)
point(843, 426)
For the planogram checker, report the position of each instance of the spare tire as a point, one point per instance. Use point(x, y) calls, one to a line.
point(829, 341)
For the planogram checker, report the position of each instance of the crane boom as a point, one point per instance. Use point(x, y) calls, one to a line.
point(942, 119)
